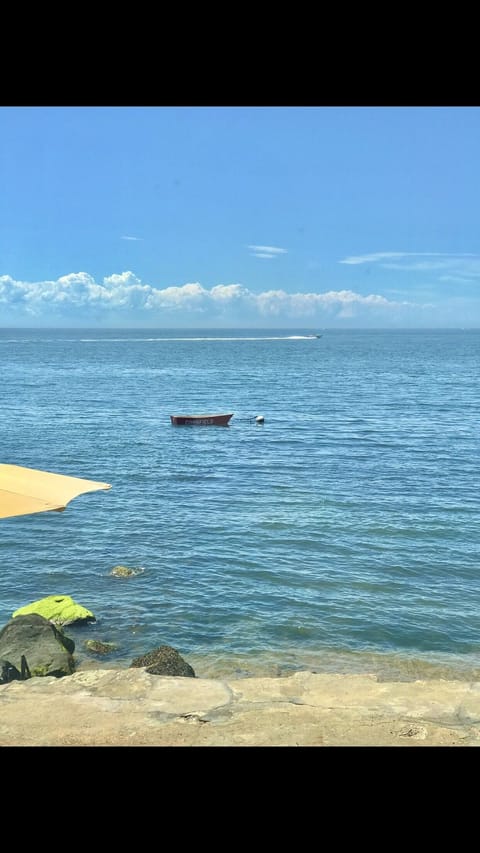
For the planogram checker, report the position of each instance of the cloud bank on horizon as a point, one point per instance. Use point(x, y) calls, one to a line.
point(122, 299)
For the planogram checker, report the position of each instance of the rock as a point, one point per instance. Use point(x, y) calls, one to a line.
point(164, 661)
point(99, 647)
point(34, 646)
point(59, 609)
point(8, 672)
point(124, 572)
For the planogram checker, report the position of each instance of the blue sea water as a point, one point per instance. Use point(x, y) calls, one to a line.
point(341, 535)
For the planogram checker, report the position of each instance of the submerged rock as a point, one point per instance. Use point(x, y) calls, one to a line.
point(59, 609)
point(33, 646)
point(125, 572)
point(99, 647)
point(164, 661)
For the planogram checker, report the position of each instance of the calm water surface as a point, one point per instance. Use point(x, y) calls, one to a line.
point(342, 534)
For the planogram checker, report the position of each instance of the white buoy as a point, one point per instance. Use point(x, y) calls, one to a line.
point(259, 419)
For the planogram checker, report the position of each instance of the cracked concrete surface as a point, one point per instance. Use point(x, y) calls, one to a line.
point(132, 708)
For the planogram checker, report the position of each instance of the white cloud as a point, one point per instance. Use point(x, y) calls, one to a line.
point(135, 239)
point(125, 279)
point(229, 292)
point(266, 251)
point(379, 256)
point(462, 267)
point(460, 279)
point(443, 261)
point(125, 288)
point(121, 299)
point(456, 265)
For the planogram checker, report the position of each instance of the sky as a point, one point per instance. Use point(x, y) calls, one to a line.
point(310, 217)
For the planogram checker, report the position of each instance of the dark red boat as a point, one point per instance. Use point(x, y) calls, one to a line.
point(200, 420)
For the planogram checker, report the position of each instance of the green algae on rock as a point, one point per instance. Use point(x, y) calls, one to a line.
point(59, 609)
point(99, 647)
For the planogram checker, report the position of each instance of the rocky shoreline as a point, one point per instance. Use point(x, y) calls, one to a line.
point(130, 707)
point(157, 700)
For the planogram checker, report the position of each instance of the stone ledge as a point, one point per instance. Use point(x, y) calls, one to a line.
point(112, 707)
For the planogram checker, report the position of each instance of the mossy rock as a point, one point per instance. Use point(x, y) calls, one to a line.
point(99, 647)
point(164, 660)
point(124, 572)
point(59, 609)
point(36, 647)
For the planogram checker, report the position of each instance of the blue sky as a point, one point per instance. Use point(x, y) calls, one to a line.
point(256, 217)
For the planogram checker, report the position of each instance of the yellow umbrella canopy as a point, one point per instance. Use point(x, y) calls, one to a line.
point(26, 490)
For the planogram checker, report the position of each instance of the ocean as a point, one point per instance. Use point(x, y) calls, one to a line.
point(342, 534)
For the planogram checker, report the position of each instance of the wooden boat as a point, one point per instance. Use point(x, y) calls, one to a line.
point(200, 420)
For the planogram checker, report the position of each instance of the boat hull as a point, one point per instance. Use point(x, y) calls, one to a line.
point(200, 420)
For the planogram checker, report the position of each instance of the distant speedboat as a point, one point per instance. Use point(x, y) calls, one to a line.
point(200, 420)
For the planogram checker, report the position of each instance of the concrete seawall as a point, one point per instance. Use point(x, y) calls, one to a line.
point(132, 708)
